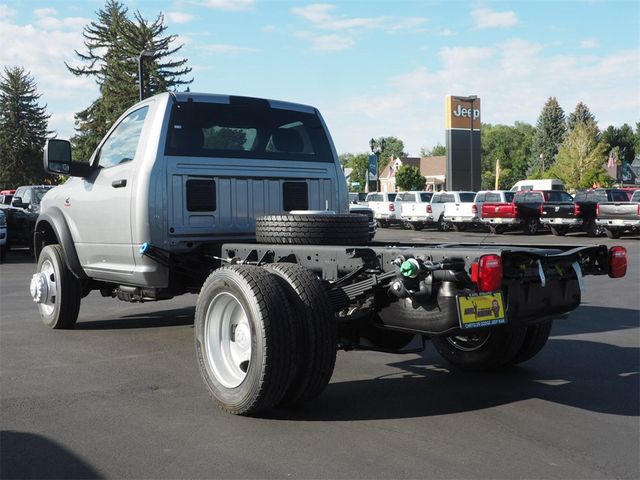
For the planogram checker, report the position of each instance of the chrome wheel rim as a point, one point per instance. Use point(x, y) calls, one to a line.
point(469, 343)
point(44, 287)
point(228, 339)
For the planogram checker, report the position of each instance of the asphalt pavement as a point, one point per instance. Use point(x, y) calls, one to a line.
point(120, 396)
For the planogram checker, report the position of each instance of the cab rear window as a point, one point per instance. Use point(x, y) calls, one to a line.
point(249, 128)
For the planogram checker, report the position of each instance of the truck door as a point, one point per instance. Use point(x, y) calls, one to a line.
point(102, 210)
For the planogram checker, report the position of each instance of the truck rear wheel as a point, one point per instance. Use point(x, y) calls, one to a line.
point(612, 232)
point(244, 339)
point(313, 229)
point(531, 226)
point(315, 331)
point(559, 231)
point(56, 291)
point(497, 229)
point(482, 350)
point(535, 338)
point(593, 229)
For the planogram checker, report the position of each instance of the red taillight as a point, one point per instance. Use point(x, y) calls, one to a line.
point(392, 207)
point(639, 209)
point(429, 209)
point(474, 209)
point(487, 273)
point(541, 209)
point(576, 210)
point(617, 262)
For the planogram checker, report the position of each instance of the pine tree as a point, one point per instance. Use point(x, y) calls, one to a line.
point(23, 130)
point(549, 135)
point(113, 46)
point(583, 115)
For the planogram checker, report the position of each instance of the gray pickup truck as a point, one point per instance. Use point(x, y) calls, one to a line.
point(243, 202)
point(618, 217)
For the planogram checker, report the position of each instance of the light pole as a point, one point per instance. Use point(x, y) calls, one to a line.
point(376, 149)
point(470, 99)
point(141, 72)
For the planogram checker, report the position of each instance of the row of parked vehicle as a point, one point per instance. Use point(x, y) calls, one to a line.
point(19, 211)
point(597, 211)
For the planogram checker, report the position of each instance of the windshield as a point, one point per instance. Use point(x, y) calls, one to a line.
point(249, 128)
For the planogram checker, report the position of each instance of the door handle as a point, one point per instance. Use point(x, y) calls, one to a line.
point(119, 183)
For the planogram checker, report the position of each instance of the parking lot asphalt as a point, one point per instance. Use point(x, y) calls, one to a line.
point(120, 397)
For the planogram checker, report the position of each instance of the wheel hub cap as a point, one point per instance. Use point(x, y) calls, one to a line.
point(39, 287)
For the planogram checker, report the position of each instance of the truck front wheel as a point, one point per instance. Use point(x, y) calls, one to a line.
point(482, 350)
point(244, 339)
point(315, 331)
point(612, 232)
point(55, 290)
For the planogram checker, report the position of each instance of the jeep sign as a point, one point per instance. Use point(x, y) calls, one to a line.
point(458, 113)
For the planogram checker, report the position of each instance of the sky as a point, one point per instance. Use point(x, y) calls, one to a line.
point(373, 68)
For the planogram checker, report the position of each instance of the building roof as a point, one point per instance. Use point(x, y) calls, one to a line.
point(428, 166)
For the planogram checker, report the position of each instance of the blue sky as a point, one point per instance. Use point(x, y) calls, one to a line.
point(373, 68)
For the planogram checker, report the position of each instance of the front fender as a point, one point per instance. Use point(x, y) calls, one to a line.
point(51, 227)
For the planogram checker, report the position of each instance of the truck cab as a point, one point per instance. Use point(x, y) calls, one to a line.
point(185, 172)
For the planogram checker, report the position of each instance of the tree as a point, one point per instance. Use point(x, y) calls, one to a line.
point(511, 146)
point(437, 151)
point(550, 130)
point(389, 147)
point(622, 140)
point(23, 129)
point(583, 115)
point(581, 159)
point(113, 45)
point(409, 177)
point(359, 164)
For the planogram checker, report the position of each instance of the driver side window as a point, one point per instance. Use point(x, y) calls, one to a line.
point(122, 144)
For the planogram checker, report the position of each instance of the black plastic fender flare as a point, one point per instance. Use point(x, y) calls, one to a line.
point(55, 219)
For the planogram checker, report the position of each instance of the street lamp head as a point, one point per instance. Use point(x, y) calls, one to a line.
point(372, 144)
point(147, 53)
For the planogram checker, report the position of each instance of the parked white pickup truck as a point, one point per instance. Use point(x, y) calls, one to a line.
point(385, 209)
point(415, 210)
point(462, 212)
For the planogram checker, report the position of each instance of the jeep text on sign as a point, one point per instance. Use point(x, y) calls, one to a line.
point(458, 113)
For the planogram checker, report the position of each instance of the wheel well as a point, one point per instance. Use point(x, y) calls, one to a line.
point(45, 235)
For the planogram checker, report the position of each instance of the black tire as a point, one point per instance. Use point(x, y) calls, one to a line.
point(593, 229)
point(380, 224)
point(612, 232)
point(531, 226)
point(316, 339)
point(56, 291)
point(458, 227)
point(482, 350)
point(3, 253)
point(535, 338)
point(497, 229)
point(315, 229)
point(559, 231)
point(442, 225)
point(242, 309)
point(411, 226)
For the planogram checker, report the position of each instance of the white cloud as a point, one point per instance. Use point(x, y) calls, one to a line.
point(487, 18)
point(179, 17)
point(51, 23)
point(45, 12)
point(23, 45)
point(331, 43)
point(589, 43)
point(315, 13)
point(7, 12)
point(231, 5)
point(269, 28)
point(513, 79)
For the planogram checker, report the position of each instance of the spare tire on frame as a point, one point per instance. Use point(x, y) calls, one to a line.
point(313, 229)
